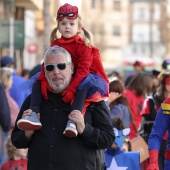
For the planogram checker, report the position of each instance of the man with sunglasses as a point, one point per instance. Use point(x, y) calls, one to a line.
point(48, 147)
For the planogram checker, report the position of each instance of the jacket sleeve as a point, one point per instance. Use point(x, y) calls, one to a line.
point(18, 136)
point(99, 132)
point(4, 111)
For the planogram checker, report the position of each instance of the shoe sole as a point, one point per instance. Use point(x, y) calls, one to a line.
point(26, 125)
point(70, 132)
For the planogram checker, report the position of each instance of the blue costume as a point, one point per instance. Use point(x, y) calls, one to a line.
point(161, 125)
point(16, 93)
point(121, 111)
point(118, 159)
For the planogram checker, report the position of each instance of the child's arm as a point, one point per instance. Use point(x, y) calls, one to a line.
point(83, 64)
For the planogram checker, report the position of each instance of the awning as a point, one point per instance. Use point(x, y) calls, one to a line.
point(29, 4)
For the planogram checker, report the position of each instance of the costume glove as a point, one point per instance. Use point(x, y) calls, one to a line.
point(153, 160)
point(68, 96)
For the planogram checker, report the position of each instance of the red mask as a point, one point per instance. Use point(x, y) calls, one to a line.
point(68, 11)
point(167, 81)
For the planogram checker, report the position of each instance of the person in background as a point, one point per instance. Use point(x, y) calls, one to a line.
point(5, 125)
point(15, 92)
point(138, 67)
point(150, 108)
point(89, 82)
point(126, 146)
point(118, 128)
point(27, 85)
point(118, 103)
point(157, 143)
point(155, 80)
point(136, 90)
point(25, 74)
point(17, 158)
point(6, 80)
point(115, 157)
point(35, 70)
point(48, 147)
point(166, 64)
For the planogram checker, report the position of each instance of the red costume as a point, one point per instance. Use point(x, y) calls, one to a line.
point(85, 59)
point(20, 164)
point(136, 103)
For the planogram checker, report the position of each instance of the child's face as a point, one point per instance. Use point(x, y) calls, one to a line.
point(21, 153)
point(68, 28)
point(125, 147)
point(114, 146)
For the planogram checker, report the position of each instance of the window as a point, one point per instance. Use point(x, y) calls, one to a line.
point(134, 49)
point(116, 30)
point(19, 14)
point(92, 28)
point(101, 29)
point(141, 14)
point(93, 3)
point(143, 50)
point(102, 4)
point(116, 4)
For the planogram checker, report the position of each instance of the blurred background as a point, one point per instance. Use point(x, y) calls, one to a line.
point(125, 31)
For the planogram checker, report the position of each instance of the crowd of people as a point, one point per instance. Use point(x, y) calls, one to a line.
point(67, 113)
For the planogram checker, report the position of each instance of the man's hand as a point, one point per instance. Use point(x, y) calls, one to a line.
point(68, 96)
point(78, 118)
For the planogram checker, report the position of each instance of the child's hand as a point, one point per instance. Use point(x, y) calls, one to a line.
point(68, 96)
point(113, 96)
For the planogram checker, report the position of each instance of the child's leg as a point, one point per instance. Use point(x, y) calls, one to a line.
point(36, 97)
point(79, 100)
point(78, 104)
point(32, 122)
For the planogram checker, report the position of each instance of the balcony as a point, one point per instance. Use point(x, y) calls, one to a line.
point(29, 4)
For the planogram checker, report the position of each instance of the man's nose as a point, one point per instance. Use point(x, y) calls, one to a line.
point(56, 70)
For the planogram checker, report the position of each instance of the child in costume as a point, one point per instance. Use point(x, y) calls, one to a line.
point(149, 110)
point(161, 125)
point(160, 128)
point(17, 158)
point(115, 157)
point(89, 82)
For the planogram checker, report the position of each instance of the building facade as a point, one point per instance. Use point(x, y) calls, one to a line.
point(148, 31)
point(108, 20)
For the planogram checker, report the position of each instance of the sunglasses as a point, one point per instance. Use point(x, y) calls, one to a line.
point(60, 66)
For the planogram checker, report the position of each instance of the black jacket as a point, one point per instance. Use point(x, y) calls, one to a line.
point(49, 149)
